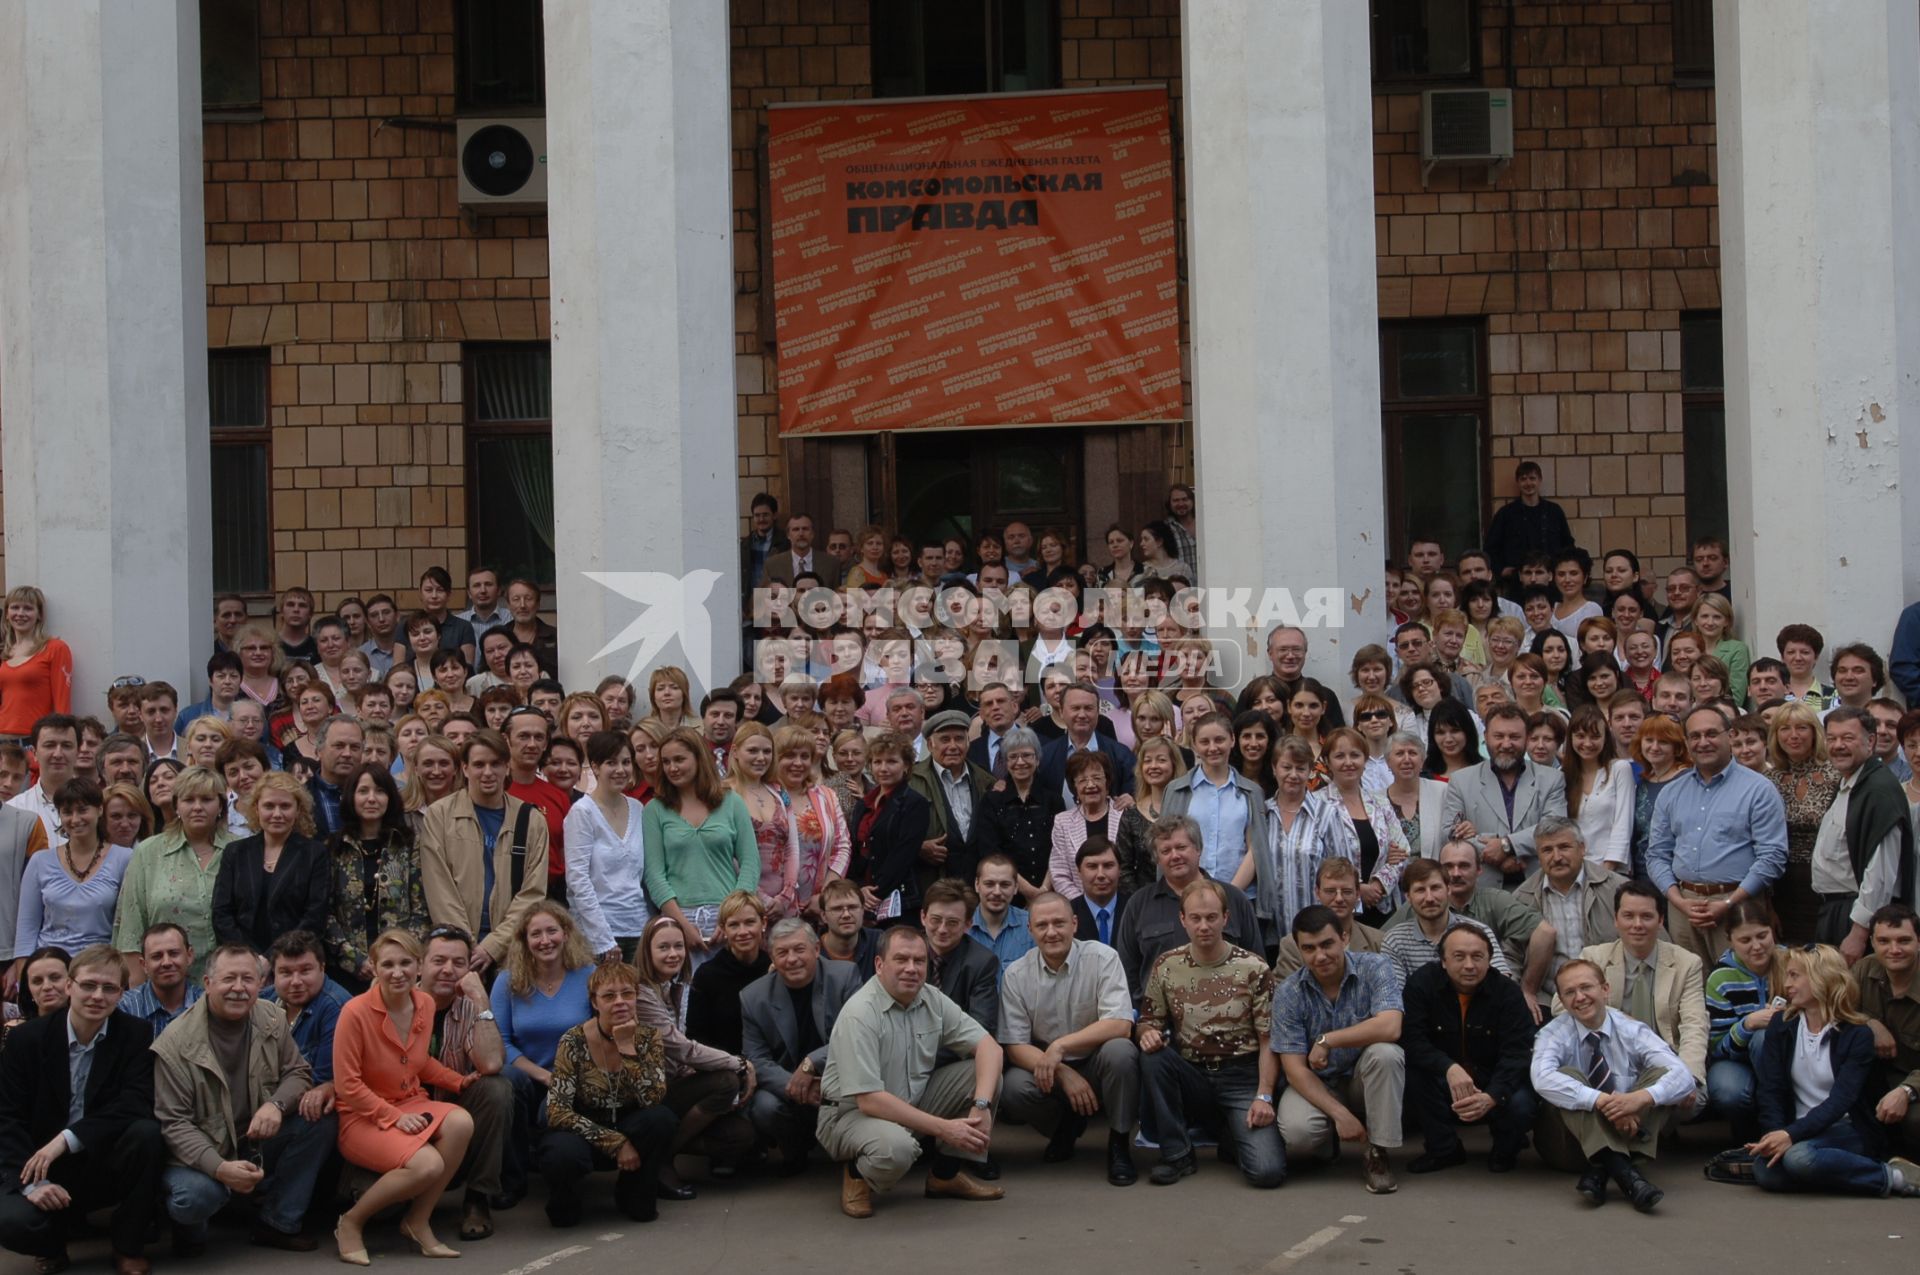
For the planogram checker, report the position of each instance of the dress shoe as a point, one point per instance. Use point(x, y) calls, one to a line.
point(681, 1192)
point(563, 1211)
point(1504, 1158)
point(1433, 1162)
point(987, 1170)
point(300, 1242)
point(1593, 1185)
point(1120, 1170)
point(962, 1186)
point(856, 1194)
point(1380, 1173)
point(1167, 1172)
point(1640, 1193)
point(1060, 1145)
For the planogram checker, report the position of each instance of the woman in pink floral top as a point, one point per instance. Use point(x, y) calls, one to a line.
point(821, 845)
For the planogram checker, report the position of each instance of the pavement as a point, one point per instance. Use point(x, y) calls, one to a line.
point(1065, 1218)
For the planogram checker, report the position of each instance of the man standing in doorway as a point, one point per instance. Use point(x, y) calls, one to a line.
point(1526, 524)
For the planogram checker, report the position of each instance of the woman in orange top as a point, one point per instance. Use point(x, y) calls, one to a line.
point(36, 671)
point(381, 1053)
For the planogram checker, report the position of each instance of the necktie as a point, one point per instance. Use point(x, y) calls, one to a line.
point(1640, 996)
point(1104, 920)
point(1599, 1072)
point(998, 756)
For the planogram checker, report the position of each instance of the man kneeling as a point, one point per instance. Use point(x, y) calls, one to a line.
point(1609, 1084)
point(227, 1082)
point(881, 1094)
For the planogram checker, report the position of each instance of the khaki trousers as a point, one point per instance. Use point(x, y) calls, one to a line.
point(882, 1150)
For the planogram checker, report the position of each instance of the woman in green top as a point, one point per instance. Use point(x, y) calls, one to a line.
point(1713, 620)
point(700, 844)
point(172, 874)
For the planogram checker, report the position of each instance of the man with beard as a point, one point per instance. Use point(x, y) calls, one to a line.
point(1496, 803)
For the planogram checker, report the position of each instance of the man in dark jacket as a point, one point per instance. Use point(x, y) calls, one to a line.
point(1526, 524)
point(1468, 1037)
point(77, 1131)
point(1871, 863)
point(957, 790)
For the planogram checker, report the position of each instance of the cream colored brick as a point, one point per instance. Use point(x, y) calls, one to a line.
point(323, 445)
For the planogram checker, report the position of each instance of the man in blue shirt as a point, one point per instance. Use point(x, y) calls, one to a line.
point(312, 1002)
point(1719, 835)
point(997, 925)
point(1336, 1027)
point(167, 956)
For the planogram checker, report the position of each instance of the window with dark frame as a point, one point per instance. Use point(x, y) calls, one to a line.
point(929, 48)
point(509, 397)
point(1693, 42)
point(1418, 41)
point(1703, 416)
point(500, 60)
point(237, 403)
point(1434, 419)
point(229, 55)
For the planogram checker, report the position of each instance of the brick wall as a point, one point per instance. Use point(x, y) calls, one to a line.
point(1582, 255)
point(336, 240)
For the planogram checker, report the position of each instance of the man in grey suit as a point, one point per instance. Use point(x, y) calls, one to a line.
point(786, 1018)
point(1496, 803)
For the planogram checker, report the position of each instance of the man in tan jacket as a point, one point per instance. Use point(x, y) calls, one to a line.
point(227, 1081)
point(483, 852)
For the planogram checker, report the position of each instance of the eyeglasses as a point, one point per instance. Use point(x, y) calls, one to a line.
point(127, 684)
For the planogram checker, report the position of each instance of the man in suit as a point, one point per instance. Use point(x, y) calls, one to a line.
point(786, 1020)
point(1573, 896)
point(1656, 982)
point(1097, 912)
point(462, 837)
point(965, 969)
point(956, 789)
point(1080, 706)
point(77, 1131)
point(999, 713)
point(1496, 803)
point(845, 939)
point(761, 542)
point(798, 557)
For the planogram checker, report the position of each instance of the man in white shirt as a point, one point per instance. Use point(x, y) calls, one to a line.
point(484, 611)
point(56, 745)
point(1609, 1085)
point(1855, 880)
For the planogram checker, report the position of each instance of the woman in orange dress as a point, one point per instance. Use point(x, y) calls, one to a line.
point(381, 1054)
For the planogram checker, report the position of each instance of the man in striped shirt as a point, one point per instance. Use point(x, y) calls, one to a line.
point(1416, 942)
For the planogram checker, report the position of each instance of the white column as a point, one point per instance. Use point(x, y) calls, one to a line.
point(1819, 131)
point(103, 316)
point(644, 434)
point(1286, 380)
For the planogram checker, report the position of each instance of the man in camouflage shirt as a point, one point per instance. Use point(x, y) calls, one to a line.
point(1203, 1030)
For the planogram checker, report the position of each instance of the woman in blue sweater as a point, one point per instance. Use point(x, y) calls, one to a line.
point(542, 997)
point(1813, 1094)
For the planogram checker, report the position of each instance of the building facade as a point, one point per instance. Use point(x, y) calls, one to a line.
point(396, 378)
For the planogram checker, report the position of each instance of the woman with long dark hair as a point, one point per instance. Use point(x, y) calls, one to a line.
point(376, 875)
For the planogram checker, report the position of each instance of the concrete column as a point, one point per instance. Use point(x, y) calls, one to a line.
point(103, 320)
point(1819, 131)
point(1278, 131)
point(644, 435)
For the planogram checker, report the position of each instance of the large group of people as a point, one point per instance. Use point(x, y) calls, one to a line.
point(389, 910)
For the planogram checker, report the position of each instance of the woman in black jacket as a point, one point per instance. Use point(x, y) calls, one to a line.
point(889, 825)
point(280, 878)
point(1811, 1090)
point(713, 1004)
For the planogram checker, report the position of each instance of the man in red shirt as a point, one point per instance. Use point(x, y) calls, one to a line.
point(527, 733)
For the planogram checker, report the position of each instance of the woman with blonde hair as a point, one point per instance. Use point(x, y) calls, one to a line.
point(871, 569)
point(260, 662)
point(200, 743)
point(750, 776)
point(173, 873)
point(668, 697)
point(1813, 1092)
point(36, 670)
point(1808, 784)
point(433, 707)
point(434, 773)
point(646, 737)
point(382, 1052)
point(821, 845)
point(1155, 766)
point(1713, 621)
point(713, 1004)
point(281, 878)
point(542, 996)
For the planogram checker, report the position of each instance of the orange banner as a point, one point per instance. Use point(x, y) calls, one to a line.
point(1004, 260)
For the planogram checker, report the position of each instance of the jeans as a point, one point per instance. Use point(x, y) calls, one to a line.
point(1730, 1086)
point(1837, 1160)
point(1180, 1092)
point(1431, 1105)
point(529, 1122)
point(292, 1160)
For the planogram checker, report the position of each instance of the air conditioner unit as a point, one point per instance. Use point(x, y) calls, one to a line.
point(1466, 126)
point(503, 164)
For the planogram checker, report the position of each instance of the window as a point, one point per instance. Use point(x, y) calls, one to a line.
point(1434, 414)
point(1703, 418)
point(229, 55)
point(510, 459)
point(927, 48)
point(242, 525)
point(1693, 41)
point(1417, 40)
point(500, 56)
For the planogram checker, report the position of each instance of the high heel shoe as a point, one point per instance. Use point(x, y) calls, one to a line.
point(352, 1257)
point(433, 1249)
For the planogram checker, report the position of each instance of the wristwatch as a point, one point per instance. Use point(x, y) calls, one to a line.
point(806, 1066)
point(1264, 1097)
point(1913, 1095)
point(485, 1016)
point(1321, 1040)
point(983, 1104)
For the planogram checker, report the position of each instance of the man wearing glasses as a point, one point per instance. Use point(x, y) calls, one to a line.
point(1719, 835)
point(207, 1069)
point(77, 1131)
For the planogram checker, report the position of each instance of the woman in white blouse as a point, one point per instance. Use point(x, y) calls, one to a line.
point(1599, 790)
point(606, 853)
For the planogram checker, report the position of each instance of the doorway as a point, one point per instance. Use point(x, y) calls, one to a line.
point(961, 482)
